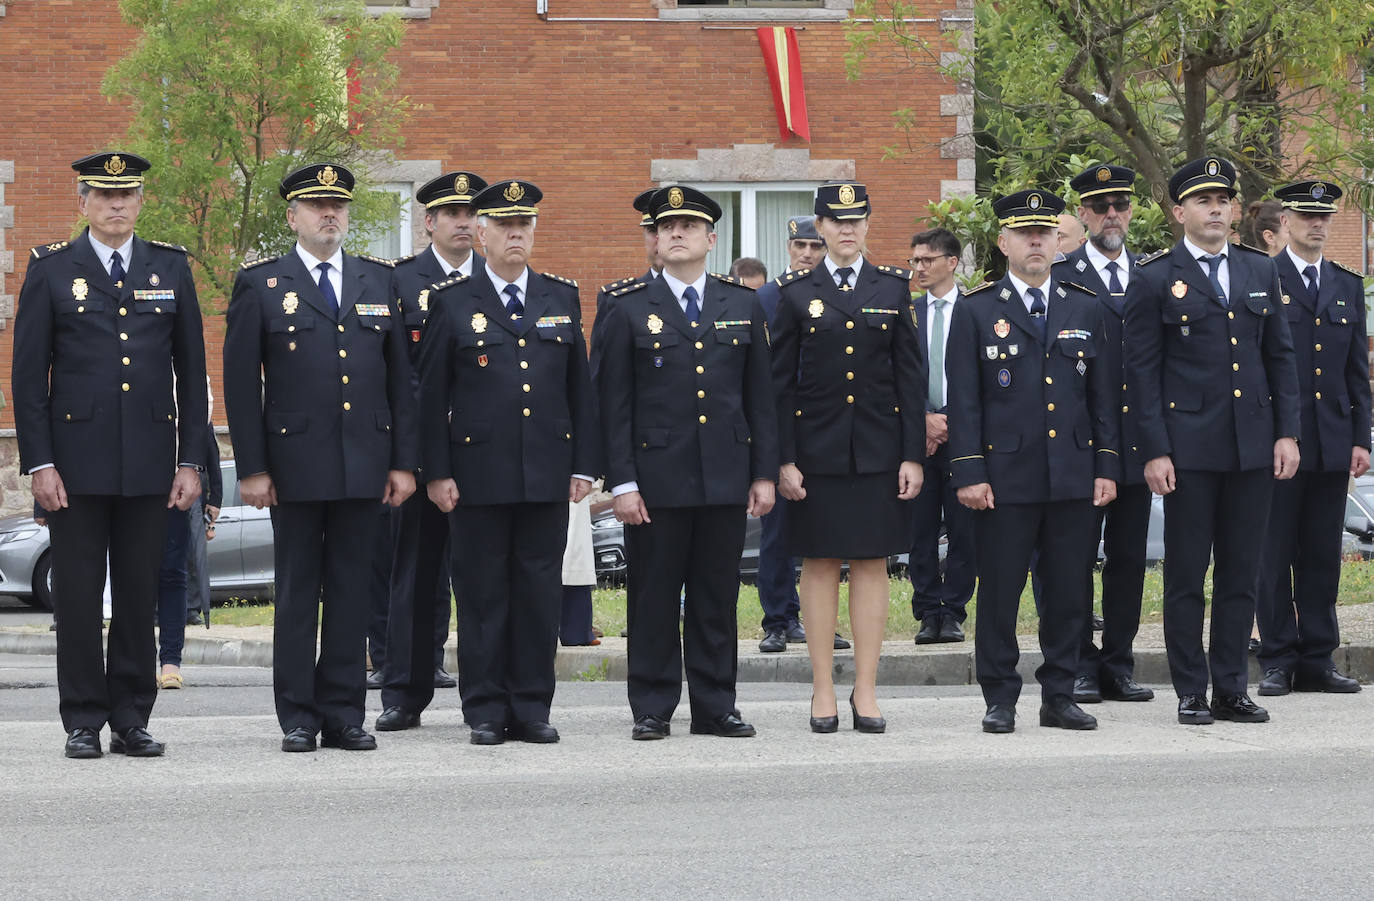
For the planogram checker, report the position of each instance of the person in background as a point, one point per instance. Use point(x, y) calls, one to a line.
point(1263, 228)
point(749, 271)
point(1072, 234)
point(579, 578)
point(203, 519)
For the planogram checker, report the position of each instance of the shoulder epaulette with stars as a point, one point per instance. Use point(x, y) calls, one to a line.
point(43, 250)
point(606, 289)
point(1084, 288)
point(572, 283)
point(258, 262)
point(390, 264)
point(176, 247)
point(1150, 258)
point(456, 279)
point(895, 272)
point(628, 289)
point(789, 276)
point(1345, 268)
point(1263, 253)
point(976, 288)
point(729, 280)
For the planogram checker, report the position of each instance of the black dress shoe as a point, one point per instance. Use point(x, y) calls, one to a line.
point(1193, 710)
point(1238, 709)
point(532, 733)
point(442, 679)
point(1086, 690)
point(349, 738)
point(298, 740)
point(82, 744)
point(841, 643)
point(1123, 688)
point(874, 725)
point(1331, 681)
point(1062, 713)
point(795, 634)
point(488, 734)
point(930, 629)
point(374, 680)
point(950, 629)
point(193, 618)
point(135, 742)
point(1276, 682)
point(1000, 719)
point(1254, 646)
point(650, 728)
point(397, 719)
point(727, 725)
point(773, 642)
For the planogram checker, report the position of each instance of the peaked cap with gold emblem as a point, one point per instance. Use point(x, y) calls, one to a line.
point(508, 198)
point(318, 181)
point(681, 200)
point(843, 200)
point(451, 187)
point(1027, 208)
point(111, 169)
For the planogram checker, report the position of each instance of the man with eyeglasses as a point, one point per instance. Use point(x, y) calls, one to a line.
point(938, 599)
point(1103, 264)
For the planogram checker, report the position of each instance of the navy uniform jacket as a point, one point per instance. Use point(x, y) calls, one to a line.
point(412, 282)
point(849, 372)
point(687, 413)
point(1077, 267)
point(1035, 422)
point(93, 367)
point(1210, 386)
point(326, 408)
point(1331, 349)
point(507, 409)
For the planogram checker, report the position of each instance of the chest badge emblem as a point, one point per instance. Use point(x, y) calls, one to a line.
point(1179, 289)
point(654, 324)
point(290, 302)
point(479, 324)
point(816, 308)
point(80, 289)
point(1001, 328)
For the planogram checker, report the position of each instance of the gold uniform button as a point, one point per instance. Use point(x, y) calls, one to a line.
point(849, 398)
point(467, 439)
point(849, 349)
point(700, 370)
point(481, 343)
point(1125, 409)
point(1171, 405)
point(1234, 341)
point(989, 447)
point(1080, 353)
point(341, 328)
point(702, 419)
point(1235, 367)
point(657, 345)
point(1053, 433)
point(699, 345)
point(701, 393)
point(126, 361)
point(347, 405)
point(884, 326)
point(1319, 347)
point(1123, 387)
point(1319, 395)
point(813, 331)
point(81, 309)
point(123, 311)
point(849, 376)
point(283, 430)
point(521, 342)
point(525, 388)
point(69, 418)
point(1050, 408)
point(524, 364)
point(849, 324)
point(1231, 315)
point(342, 353)
point(525, 412)
point(1236, 392)
point(1319, 320)
point(1183, 318)
point(568, 435)
point(1050, 381)
point(798, 413)
point(344, 380)
point(1319, 372)
point(290, 328)
point(125, 386)
point(123, 336)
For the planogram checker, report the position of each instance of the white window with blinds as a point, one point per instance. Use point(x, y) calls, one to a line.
point(396, 240)
point(754, 221)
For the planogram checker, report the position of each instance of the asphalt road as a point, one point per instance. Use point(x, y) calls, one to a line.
point(1142, 808)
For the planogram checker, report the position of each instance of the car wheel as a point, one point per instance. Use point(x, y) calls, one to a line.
point(42, 583)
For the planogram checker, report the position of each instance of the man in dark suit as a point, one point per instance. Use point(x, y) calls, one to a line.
point(1103, 265)
point(1033, 450)
point(104, 321)
point(1214, 394)
point(509, 438)
point(691, 446)
point(938, 599)
point(418, 614)
point(1296, 597)
point(321, 406)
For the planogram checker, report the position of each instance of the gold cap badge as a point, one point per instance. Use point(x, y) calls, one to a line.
point(513, 192)
point(114, 165)
point(328, 176)
point(675, 198)
point(1104, 174)
point(846, 193)
point(460, 184)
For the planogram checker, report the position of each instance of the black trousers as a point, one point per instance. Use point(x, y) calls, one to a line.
point(1124, 535)
point(1295, 600)
point(508, 576)
point(777, 578)
point(1062, 532)
point(417, 625)
point(697, 548)
point(378, 593)
point(93, 687)
point(1221, 515)
point(946, 593)
point(324, 552)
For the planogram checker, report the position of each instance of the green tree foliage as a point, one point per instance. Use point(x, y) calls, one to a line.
point(228, 97)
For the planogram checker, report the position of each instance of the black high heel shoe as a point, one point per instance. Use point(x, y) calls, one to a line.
point(871, 724)
point(825, 723)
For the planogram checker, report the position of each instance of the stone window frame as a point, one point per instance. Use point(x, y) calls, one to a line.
point(827, 11)
point(406, 9)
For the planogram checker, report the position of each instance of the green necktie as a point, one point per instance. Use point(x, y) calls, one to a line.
point(936, 393)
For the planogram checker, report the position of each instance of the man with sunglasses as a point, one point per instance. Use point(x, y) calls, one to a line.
point(1104, 263)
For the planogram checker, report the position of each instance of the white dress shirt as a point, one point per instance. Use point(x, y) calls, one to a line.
point(678, 287)
point(832, 267)
point(335, 262)
point(500, 283)
point(106, 253)
point(463, 268)
point(1098, 260)
point(1302, 264)
point(1223, 273)
point(943, 337)
point(1023, 288)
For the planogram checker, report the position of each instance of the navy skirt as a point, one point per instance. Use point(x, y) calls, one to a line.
point(851, 517)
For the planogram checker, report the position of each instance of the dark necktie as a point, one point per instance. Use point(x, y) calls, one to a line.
point(1037, 311)
point(845, 273)
point(689, 294)
point(1310, 273)
point(1213, 267)
point(117, 269)
point(513, 304)
point(327, 289)
point(1113, 283)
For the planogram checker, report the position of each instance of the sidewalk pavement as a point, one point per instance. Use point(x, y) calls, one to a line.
point(903, 662)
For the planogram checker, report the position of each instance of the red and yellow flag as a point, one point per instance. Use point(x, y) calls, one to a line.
point(781, 57)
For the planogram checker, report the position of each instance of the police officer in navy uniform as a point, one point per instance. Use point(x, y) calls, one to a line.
point(1214, 393)
point(509, 438)
point(1033, 450)
point(418, 616)
point(321, 407)
point(1296, 597)
point(1103, 265)
point(104, 322)
point(691, 446)
point(646, 225)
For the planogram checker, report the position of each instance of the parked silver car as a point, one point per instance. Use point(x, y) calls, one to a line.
point(240, 556)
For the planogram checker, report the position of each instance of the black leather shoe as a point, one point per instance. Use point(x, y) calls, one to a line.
point(1238, 709)
point(1331, 681)
point(950, 629)
point(193, 618)
point(298, 740)
point(1000, 719)
point(874, 725)
point(795, 634)
point(841, 643)
point(1276, 682)
point(442, 679)
point(1254, 646)
point(650, 728)
point(1086, 690)
point(1123, 688)
point(727, 725)
point(930, 629)
point(135, 742)
point(83, 744)
point(349, 738)
point(1062, 713)
point(397, 719)
point(488, 734)
point(532, 733)
point(374, 680)
point(773, 643)
point(1193, 710)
